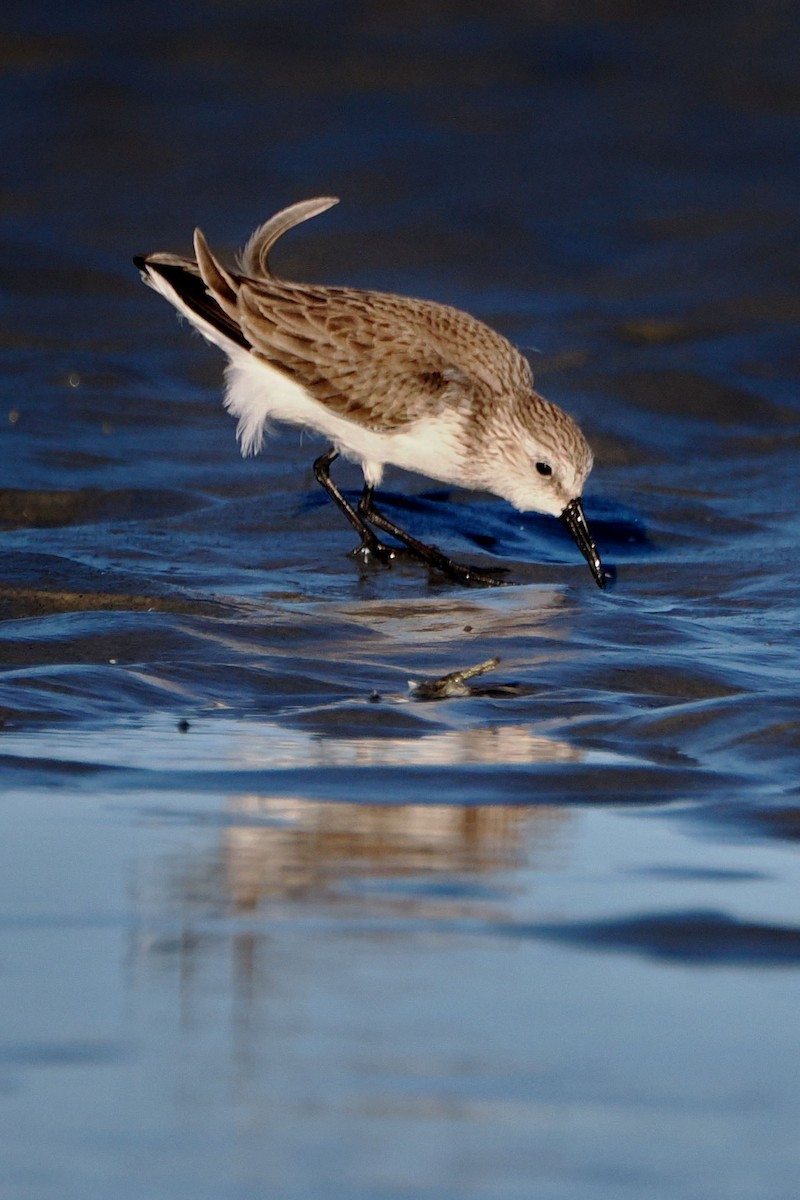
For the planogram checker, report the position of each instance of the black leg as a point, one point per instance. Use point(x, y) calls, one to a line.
point(469, 576)
point(370, 544)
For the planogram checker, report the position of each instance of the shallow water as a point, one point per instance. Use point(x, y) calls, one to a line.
point(269, 924)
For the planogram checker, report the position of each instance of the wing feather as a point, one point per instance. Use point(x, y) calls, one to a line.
point(354, 352)
point(254, 259)
point(376, 358)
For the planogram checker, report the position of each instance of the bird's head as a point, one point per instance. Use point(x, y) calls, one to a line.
point(548, 461)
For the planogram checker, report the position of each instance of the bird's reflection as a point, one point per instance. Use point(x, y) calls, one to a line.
point(291, 848)
point(275, 746)
point(368, 860)
point(286, 847)
point(283, 847)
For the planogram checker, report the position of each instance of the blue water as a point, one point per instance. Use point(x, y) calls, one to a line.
point(270, 925)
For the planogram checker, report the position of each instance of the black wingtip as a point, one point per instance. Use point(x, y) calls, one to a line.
point(191, 290)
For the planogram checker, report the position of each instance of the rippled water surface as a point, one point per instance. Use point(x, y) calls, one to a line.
point(271, 924)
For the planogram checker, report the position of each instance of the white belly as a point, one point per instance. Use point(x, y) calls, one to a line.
point(257, 393)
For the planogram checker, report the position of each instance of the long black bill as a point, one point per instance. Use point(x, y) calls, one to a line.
point(574, 519)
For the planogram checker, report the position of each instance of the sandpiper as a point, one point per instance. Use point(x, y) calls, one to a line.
point(388, 380)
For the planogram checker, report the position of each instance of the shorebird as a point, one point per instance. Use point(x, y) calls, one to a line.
point(388, 380)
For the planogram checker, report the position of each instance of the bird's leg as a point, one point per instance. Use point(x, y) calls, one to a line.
point(469, 576)
point(370, 544)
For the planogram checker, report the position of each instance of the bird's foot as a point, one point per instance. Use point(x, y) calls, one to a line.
point(463, 573)
point(373, 549)
point(469, 576)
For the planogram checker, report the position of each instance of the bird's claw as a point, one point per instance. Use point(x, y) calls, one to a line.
point(368, 551)
point(474, 577)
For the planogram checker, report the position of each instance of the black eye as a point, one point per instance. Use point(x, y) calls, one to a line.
point(544, 468)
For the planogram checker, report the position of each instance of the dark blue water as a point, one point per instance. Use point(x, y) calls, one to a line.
point(269, 925)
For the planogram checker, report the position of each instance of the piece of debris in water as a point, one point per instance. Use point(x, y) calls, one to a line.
point(454, 684)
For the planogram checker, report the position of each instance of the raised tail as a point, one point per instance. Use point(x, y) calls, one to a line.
point(254, 259)
point(204, 291)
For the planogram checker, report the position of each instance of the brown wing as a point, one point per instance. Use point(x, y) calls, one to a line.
point(376, 358)
point(372, 357)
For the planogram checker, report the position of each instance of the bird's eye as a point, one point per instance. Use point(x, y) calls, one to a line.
point(544, 468)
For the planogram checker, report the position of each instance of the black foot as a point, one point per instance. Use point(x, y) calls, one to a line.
point(371, 548)
point(469, 576)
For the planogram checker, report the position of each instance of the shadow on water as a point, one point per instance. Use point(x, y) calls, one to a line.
point(694, 937)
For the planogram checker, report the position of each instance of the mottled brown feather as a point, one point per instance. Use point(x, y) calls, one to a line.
point(388, 379)
point(376, 358)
